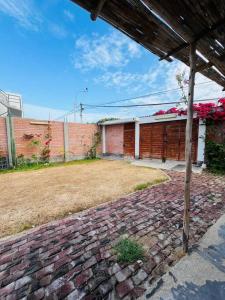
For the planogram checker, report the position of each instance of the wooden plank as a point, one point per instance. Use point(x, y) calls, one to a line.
point(188, 147)
point(129, 139)
point(96, 12)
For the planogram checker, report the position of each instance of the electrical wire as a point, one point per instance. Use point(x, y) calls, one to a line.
point(152, 94)
point(105, 105)
point(89, 106)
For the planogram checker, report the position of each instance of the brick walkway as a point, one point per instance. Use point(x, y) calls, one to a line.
point(73, 258)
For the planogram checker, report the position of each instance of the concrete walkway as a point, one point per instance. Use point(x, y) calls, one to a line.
point(198, 276)
point(74, 258)
point(170, 165)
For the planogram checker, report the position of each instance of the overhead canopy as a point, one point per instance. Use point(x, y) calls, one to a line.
point(167, 27)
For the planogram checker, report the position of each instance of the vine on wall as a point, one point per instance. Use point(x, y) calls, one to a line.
point(92, 152)
point(40, 144)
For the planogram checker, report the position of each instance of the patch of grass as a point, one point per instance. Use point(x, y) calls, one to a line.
point(145, 185)
point(35, 166)
point(129, 251)
point(142, 186)
point(25, 226)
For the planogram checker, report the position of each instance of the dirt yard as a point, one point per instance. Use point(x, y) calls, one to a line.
point(35, 197)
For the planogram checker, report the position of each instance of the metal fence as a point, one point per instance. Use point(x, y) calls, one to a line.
point(4, 163)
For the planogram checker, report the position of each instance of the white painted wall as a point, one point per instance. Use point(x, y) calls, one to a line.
point(137, 140)
point(103, 140)
point(201, 141)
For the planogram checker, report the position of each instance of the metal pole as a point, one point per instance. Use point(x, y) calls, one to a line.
point(81, 112)
point(188, 147)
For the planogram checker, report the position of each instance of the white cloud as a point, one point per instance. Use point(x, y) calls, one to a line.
point(69, 16)
point(102, 52)
point(24, 11)
point(57, 30)
point(131, 82)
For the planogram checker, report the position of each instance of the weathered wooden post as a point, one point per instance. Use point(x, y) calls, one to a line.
point(188, 147)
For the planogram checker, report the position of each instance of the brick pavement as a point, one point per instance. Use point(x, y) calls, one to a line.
point(73, 258)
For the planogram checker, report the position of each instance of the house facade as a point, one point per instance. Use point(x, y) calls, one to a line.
point(153, 137)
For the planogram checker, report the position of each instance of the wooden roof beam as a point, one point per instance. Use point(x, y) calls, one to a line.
point(186, 34)
point(195, 39)
point(204, 66)
point(96, 13)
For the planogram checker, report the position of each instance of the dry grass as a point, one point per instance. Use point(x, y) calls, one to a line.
point(36, 197)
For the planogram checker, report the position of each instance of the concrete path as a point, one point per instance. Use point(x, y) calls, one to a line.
point(198, 276)
point(172, 165)
point(74, 258)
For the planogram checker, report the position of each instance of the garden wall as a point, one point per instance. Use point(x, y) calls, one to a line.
point(114, 139)
point(32, 136)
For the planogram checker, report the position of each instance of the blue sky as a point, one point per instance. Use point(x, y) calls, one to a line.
point(51, 51)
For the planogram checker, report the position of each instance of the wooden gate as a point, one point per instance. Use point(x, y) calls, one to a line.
point(129, 139)
point(166, 140)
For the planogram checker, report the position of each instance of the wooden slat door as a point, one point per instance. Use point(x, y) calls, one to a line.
point(166, 139)
point(129, 139)
point(151, 140)
point(194, 140)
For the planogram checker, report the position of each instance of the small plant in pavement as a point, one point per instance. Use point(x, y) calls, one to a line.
point(128, 251)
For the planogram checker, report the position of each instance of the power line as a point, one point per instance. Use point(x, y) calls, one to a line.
point(93, 106)
point(66, 114)
point(90, 106)
point(151, 94)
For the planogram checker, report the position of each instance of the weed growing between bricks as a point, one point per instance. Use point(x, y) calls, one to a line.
point(128, 251)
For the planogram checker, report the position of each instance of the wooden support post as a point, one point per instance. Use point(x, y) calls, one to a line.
point(188, 146)
point(96, 13)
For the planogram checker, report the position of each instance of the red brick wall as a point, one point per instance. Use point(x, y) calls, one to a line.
point(80, 137)
point(3, 137)
point(114, 139)
point(23, 127)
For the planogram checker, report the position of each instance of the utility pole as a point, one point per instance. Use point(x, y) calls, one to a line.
point(81, 112)
point(74, 113)
point(81, 105)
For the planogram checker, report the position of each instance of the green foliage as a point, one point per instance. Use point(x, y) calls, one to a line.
point(45, 154)
point(29, 165)
point(35, 143)
point(92, 152)
point(215, 156)
point(106, 119)
point(21, 161)
point(129, 251)
point(142, 186)
point(145, 185)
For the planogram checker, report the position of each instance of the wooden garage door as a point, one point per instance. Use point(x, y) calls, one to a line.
point(129, 139)
point(167, 140)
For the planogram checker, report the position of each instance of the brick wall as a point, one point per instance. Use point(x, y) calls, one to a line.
point(114, 139)
point(3, 138)
point(80, 138)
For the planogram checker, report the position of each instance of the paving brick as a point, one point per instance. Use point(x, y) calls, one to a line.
point(82, 278)
point(139, 277)
point(125, 287)
point(74, 258)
